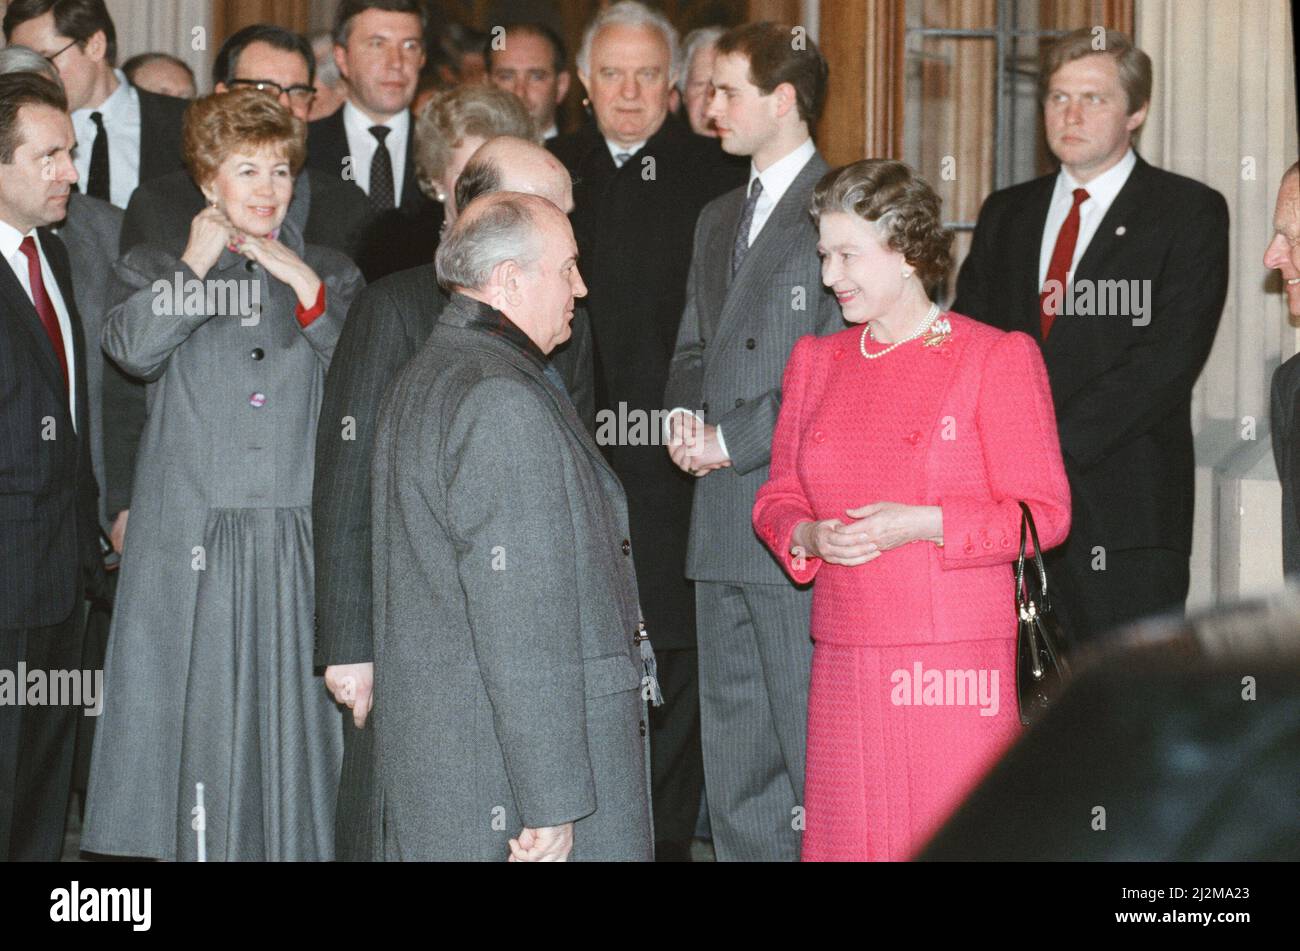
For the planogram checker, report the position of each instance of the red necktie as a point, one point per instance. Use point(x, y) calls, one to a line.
point(1058, 270)
point(41, 300)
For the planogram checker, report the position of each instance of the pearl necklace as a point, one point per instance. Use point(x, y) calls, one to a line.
point(930, 316)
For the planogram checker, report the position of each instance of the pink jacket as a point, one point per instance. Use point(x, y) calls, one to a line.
point(967, 425)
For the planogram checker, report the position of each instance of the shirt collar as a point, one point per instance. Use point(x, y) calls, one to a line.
point(1102, 189)
point(615, 149)
point(360, 123)
point(780, 175)
point(111, 108)
point(11, 238)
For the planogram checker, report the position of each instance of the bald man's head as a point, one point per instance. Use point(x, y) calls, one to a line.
point(506, 163)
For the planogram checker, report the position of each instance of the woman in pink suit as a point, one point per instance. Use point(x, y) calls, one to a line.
point(901, 450)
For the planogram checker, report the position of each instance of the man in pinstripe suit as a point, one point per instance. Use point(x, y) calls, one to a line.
point(48, 496)
point(754, 289)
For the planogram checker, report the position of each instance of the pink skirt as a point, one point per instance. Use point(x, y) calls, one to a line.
point(897, 736)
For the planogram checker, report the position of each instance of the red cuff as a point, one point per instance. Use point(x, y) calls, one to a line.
point(305, 317)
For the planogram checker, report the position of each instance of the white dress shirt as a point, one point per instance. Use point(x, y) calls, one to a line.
point(777, 179)
point(550, 133)
point(362, 146)
point(120, 113)
point(10, 241)
point(1101, 195)
point(615, 150)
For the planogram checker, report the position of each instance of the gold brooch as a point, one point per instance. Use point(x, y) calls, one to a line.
point(940, 332)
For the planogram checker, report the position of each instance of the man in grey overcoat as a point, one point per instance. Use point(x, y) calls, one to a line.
point(509, 712)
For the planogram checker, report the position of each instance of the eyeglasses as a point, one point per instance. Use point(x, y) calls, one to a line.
point(299, 94)
point(53, 56)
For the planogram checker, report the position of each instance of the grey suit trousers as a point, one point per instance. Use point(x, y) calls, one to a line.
point(755, 657)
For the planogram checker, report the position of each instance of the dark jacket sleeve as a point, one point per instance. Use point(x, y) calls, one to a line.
point(371, 349)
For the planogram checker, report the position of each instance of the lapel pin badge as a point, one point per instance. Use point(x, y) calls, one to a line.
point(1121, 231)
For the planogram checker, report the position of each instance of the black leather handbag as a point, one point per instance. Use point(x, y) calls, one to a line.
point(1042, 669)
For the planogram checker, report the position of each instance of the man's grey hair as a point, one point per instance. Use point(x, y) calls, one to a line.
point(481, 239)
point(695, 40)
point(632, 13)
point(327, 70)
point(20, 59)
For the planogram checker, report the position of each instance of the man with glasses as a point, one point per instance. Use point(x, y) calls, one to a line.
point(379, 49)
point(111, 118)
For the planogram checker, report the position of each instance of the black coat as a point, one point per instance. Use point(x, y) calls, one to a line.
point(1122, 392)
point(49, 526)
point(398, 239)
point(160, 134)
point(635, 228)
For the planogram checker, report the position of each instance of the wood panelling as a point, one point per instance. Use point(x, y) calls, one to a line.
point(229, 16)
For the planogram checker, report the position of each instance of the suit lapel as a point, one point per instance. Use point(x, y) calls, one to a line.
point(1024, 259)
point(25, 317)
point(716, 279)
point(770, 248)
point(1126, 206)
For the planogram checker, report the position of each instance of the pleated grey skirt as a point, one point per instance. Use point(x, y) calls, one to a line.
point(253, 724)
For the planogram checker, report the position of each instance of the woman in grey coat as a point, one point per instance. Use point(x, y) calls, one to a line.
point(209, 676)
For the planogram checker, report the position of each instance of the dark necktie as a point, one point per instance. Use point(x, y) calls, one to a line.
point(381, 172)
point(97, 183)
point(741, 247)
point(41, 301)
point(1059, 268)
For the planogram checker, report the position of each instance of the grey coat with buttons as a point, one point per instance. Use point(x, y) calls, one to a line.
point(507, 665)
point(218, 550)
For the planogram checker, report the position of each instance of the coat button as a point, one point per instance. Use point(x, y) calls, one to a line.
point(256, 353)
point(750, 344)
point(627, 547)
point(641, 727)
point(969, 549)
point(839, 353)
point(702, 342)
point(739, 403)
point(987, 544)
point(705, 407)
point(250, 266)
point(1006, 542)
point(819, 436)
point(913, 437)
point(257, 400)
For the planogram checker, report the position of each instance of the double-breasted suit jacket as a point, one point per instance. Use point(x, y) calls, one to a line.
point(735, 337)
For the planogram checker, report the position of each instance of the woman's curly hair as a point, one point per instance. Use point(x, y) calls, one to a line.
point(223, 123)
point(902, 206)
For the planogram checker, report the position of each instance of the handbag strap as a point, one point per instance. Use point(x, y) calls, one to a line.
point(1028, 527)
